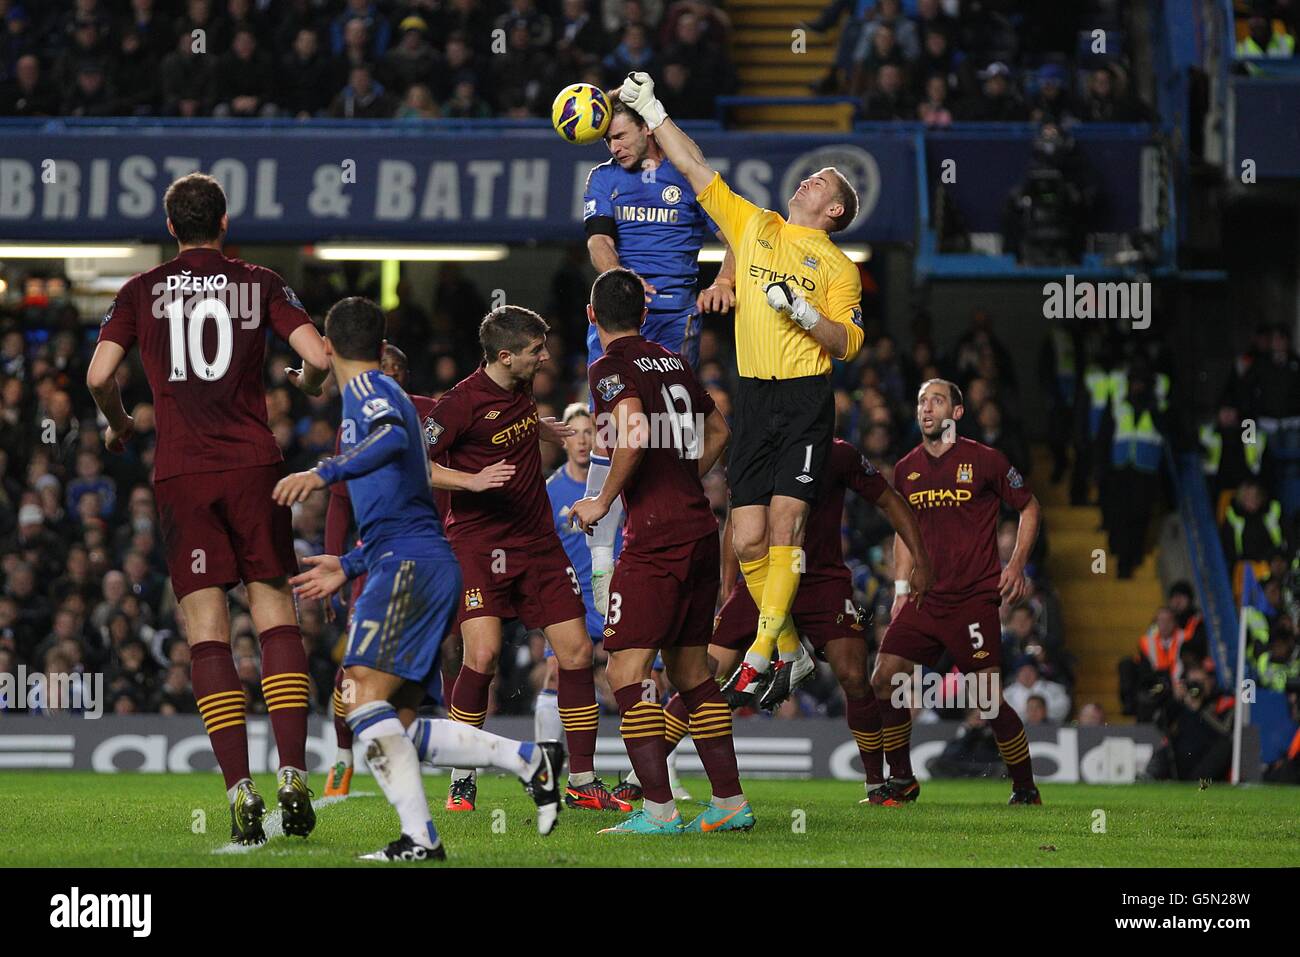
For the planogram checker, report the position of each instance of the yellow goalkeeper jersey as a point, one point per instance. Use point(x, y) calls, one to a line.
point(770, 345)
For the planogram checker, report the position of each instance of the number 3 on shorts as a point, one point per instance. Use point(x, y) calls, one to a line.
point(615, 608)
point(573, 580)
point(976, 639)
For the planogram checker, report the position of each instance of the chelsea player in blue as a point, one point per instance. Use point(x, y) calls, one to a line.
point(412, 589)
point(641, 213)
point(566, 485)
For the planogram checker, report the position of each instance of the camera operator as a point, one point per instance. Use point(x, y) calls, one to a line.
point(1196, 717)
point(1047, 215)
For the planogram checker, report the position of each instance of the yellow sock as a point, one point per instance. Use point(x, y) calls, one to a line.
point(755, 573)
point(784, 569)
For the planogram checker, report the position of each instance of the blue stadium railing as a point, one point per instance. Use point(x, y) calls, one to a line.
point(1209, 567)
point(1270, 712)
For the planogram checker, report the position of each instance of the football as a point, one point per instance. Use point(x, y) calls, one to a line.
point(581, 113)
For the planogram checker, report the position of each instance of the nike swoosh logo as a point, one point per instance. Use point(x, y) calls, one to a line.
point(705, 826)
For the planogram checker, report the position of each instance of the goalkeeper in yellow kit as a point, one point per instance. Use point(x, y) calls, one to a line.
point(797, 308)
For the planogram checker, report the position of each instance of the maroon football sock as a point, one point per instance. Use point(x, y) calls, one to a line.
point(580, 717)
point(469, 697)
point(1009, 731)
point(342, 733)
point(287, 692)
point(864, 722)
point(642, 728)
point(676, 722)
point(896, 737)
point(220, 695)
point(710, 727)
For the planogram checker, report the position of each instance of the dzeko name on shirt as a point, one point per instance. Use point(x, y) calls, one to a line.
point(182, 296)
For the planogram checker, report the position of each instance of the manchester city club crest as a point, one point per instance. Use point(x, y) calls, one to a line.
point(965, 474)
point(672, 195)
point(609, 387)
point(473, 598)
point(810, 262)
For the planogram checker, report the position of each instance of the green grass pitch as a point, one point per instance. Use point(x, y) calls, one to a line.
point(88, 820)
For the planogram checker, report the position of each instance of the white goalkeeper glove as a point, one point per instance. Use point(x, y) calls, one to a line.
point(783, 299)
point(638, 92)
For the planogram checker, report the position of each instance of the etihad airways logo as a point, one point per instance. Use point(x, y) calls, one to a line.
point(769, 276)
point(516, 430)
point(930, 497)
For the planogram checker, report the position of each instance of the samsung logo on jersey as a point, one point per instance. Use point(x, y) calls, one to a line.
point(666, 364)
point(645, 214)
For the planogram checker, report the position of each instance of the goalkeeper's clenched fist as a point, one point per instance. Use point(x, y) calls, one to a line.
point(638, 92)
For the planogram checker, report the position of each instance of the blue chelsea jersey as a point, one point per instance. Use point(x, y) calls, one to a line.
point(659, 225)
point(393, 505)
point(563, 491)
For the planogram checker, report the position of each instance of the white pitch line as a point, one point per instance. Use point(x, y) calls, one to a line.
point(273, 828)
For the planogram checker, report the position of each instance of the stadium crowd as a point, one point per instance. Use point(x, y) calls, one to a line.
point(363, 59)
point(981, 60)
point(85, 586)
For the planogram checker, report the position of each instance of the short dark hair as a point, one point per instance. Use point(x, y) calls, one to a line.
point(617, 106)
point(509, 328)
point(954, 391)
point(618, 300)
point(848, 196)
point(355, 328)
point(195, 205)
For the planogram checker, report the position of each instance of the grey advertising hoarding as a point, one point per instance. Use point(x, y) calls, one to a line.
point(806, 748)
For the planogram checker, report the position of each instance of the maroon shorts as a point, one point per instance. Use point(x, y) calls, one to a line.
point(823, 610)
point(221, 528)
point(664, 598)
point(969, 630)
point(535, 583)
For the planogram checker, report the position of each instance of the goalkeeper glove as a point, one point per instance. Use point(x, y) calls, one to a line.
point(783, 299)
point(638, 92)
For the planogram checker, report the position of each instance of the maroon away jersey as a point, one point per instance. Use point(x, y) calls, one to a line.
point(849, 469)
point(665, 500)
point(956, 499)
point(201, 322)
point(474, 424)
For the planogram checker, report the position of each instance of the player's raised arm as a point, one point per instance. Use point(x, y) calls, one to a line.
point(638, 92)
